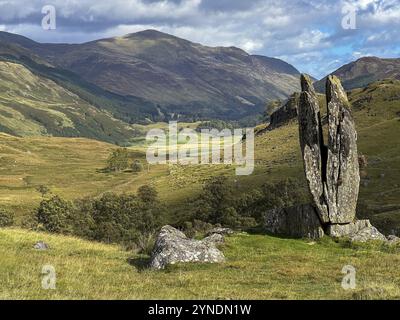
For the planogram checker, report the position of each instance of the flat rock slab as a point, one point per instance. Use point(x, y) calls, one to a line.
point(346, 230)
point(296, 222)
point(359, 231)
point(172, 247)
point(367, 234)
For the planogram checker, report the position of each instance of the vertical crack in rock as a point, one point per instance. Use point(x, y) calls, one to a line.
point(332, 172)
point(311, 142)
point(343, 179)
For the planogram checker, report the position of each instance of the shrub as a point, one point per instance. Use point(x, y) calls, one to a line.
point(137, 166)
point(283, 194)
point(118, 160)
point(43, 190)
point(147, 194)
point(126, 219)
point(55, 215)
point(6, 218)
point(216, 203)
point(145, 243)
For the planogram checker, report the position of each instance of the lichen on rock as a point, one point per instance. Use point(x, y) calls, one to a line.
point(172, 246)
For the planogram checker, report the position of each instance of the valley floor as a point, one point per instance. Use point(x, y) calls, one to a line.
point(257, 267)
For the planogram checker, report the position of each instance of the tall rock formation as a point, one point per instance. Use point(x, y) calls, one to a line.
point(343, 173)
point(312, 146)
point(332, 171)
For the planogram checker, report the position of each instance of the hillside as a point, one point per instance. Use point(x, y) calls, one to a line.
point(181, 77)
point(257, 267)
point(70, 167)
point(32, 105)
point(363, 72)
point(277, 156)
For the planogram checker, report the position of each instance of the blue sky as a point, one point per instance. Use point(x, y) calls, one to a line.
point(306, 33)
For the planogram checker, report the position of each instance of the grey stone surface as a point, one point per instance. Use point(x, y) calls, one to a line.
point(343, 174)
point(359, 231)
point(41, 246)
point(215, 238)
point(332, 171)
point(221, 231)
point(297, 222)
point(312, 145)
point(392, 239)
point(346, 230)
point(367, 234)
point(172, 246)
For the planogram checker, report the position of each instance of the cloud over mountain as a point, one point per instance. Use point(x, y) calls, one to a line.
point(306, 33)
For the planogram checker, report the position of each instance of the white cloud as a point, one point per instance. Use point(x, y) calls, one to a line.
point(307, 33)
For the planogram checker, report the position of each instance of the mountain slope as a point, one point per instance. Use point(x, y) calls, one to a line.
point(364, 71)
point(182, 77)
point(32, 105)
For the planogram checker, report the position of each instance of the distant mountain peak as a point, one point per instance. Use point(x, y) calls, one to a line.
point(180, 76)
point(149, 34)
point(362, 72)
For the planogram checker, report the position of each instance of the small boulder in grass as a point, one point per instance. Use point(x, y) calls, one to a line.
point(221, 231)
point(41, 246)
point(392, 239)
point(172, 246)
point(215, 238)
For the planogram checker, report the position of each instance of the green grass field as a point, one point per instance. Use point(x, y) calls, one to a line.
point(71, 167)
point(257, 267)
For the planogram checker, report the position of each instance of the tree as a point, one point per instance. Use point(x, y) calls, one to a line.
point(55, 215)
point(6, 218)
point(147, 194)
point(137, 166)
point(215, 203)
point(118, 160)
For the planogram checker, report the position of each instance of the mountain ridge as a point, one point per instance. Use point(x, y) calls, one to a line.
point(364, 71)
point(183, 77)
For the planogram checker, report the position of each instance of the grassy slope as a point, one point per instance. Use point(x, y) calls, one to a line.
point(257, 267)
point(277, 155)
point(31, 105)
point(71, 167)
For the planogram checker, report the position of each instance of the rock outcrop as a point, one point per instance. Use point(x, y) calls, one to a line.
point(172, 246)
point(295, 222)
point(358, 231)
point(285, 113)
point(342, 169)
point(332, 171)
point(312, 146)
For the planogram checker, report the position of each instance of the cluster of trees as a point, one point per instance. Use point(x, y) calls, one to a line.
point(133, 220)
point(128, 219)
point(121, 159)
point(220, 204)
